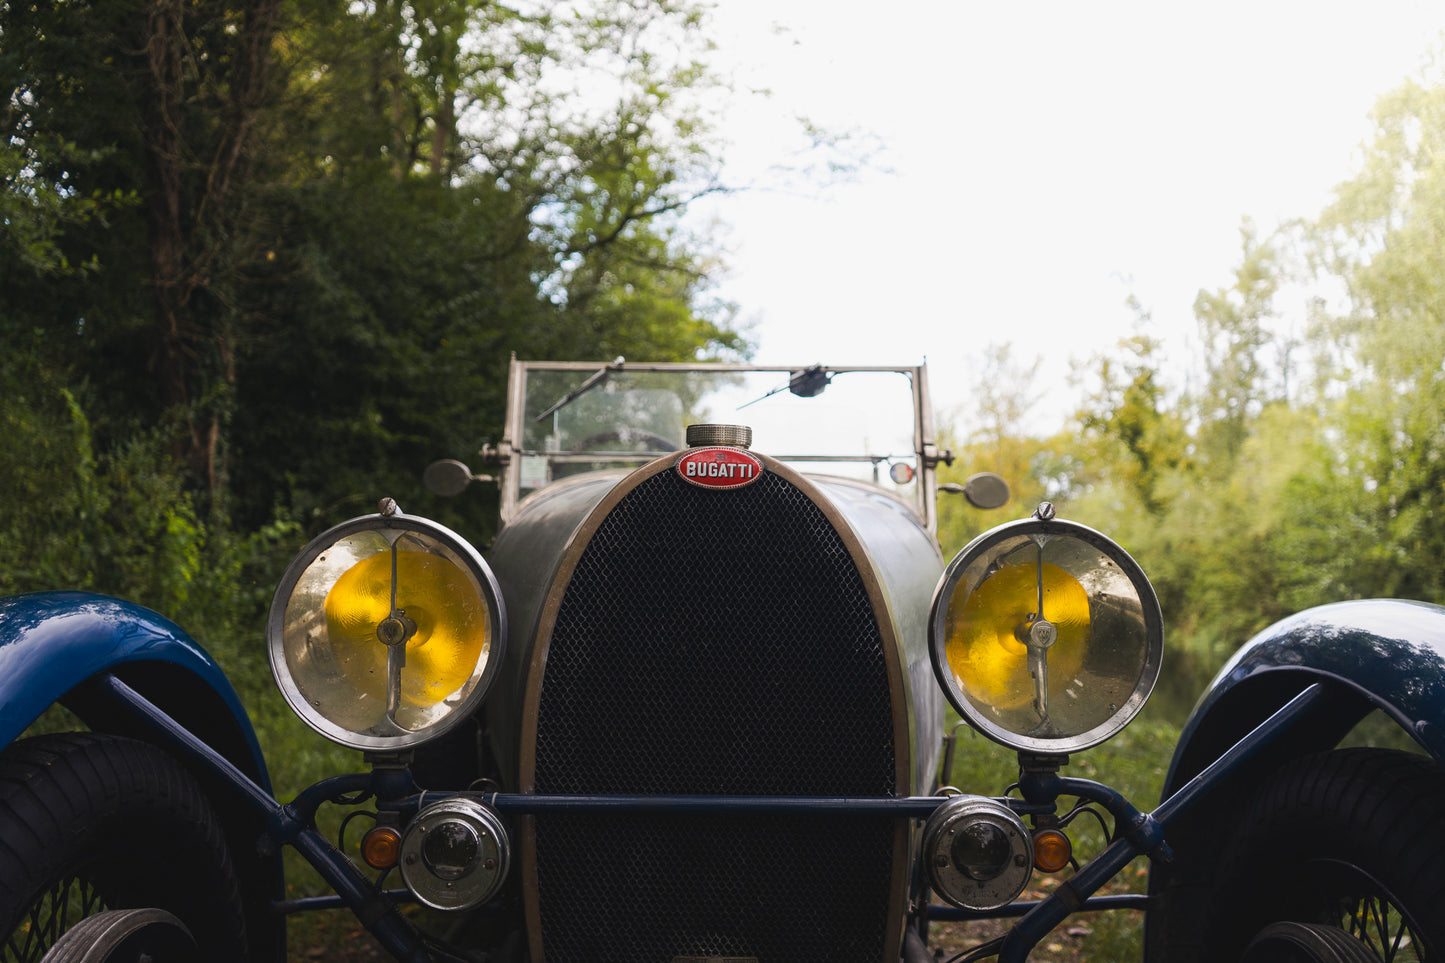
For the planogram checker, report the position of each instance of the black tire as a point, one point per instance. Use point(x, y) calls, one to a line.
point(90, 823)
point(1353, 839)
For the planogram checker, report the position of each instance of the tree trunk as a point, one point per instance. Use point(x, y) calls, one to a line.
point(445, 122)
point(189, 187)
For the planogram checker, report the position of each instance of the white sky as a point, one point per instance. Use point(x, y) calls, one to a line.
point(1047, 159)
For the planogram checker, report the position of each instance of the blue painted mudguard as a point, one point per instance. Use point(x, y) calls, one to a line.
point(51, 643)
point(65, 646)
point(1381, 654)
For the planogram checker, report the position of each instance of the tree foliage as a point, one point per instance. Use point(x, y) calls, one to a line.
point(295, 244)
point(1306, 463)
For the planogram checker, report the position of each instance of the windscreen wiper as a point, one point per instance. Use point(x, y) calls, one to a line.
point(808, 383)
point(593, 380)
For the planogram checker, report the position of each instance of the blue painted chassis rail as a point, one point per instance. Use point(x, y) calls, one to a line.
point(294, 824)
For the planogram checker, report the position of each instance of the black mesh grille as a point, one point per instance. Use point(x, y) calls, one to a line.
point(715, 642)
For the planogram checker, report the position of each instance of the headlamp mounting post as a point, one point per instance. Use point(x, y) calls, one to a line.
point(1039, 776)
point(391, 772)
point(1040, 784)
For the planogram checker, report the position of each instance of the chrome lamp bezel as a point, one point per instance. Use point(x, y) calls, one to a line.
point(391, 526)
point(999, 542)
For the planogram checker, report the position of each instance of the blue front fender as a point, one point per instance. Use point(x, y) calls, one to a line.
point(1378, 654)
point(1381, 654)
point(51, 643)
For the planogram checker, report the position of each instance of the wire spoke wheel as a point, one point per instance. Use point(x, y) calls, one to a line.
point(92, 824)
point(69, 900)
point(1344, 852)
point(141, 935)
point(65, 903)
point(1360, 905)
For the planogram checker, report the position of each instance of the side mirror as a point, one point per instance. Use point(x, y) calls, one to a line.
point(984, 490)
point(447, 477)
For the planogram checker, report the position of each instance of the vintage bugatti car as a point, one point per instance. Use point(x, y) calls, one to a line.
point(689, 707)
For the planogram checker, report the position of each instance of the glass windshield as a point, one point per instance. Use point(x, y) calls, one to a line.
point(854, 423)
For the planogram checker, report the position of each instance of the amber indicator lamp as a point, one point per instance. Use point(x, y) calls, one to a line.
point(381, 847)
point(1052, 850)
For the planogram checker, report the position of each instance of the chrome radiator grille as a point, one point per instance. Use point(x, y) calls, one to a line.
point(715, 642)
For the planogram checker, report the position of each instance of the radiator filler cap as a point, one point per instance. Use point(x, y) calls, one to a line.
point(733, 436)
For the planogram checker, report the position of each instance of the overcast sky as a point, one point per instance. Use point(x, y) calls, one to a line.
point(1041, 162)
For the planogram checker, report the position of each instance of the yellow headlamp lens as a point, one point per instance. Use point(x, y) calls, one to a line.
point(450, 634)
point(988, 628)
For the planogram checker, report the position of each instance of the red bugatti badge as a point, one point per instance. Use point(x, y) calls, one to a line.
point(719, 467)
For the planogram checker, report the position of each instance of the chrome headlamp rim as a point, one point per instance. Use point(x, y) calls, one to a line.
point(399, 523)
point(1050, 527)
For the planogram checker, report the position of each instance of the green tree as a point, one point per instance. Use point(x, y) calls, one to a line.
point(155, 102)
point(1233, 327)
point(1130, 408)
point(1381, 350)
point(347, 217)
point(389, 286)
point(1300, 469)
point(996, 438)
point(1264, 492)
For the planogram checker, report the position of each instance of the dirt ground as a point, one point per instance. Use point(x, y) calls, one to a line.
point(1067, 946)
point(342, 940)
point(949, 939)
